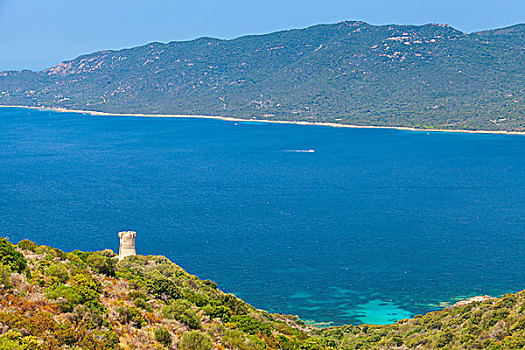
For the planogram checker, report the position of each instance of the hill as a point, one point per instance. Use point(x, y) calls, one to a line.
point(430, 76)
point(51, 299)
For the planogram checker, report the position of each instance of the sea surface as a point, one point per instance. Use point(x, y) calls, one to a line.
point(373, 226)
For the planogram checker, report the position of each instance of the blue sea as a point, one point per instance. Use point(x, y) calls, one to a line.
point(374, 226)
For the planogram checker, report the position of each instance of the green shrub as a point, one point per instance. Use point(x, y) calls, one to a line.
point(163, 288)
point(12, 258)
point(236, 339)
point(199, 300)
point(143, 304)
point(28, 245)
point(219, 311)
point(249, 324)
point(89, 318)
point(101, 264)
point(88, 288)
point(195, 340)
point(69, 298)
point(52, 252)
point(163, 336)
point(210, 283)
point(58, 271)
point(5, 276)
point(131, 314)
point(136, 294)
point(83, 289)
point(181, 310)
point(13, 340)
point(254, 343)
point(235, 304)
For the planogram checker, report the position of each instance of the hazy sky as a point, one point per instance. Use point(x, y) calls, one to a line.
point(36, 34)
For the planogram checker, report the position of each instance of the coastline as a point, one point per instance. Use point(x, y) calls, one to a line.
point(334, 125)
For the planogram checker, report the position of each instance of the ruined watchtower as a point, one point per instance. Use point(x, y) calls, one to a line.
point(127, 244)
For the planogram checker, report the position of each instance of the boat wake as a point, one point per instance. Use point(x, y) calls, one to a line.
point(300, 150)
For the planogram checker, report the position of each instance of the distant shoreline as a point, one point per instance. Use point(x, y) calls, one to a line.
point(335, 125)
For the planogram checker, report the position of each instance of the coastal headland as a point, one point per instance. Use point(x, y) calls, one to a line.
point(92, 300)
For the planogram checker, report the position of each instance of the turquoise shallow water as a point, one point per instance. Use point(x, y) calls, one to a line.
point(374, 226)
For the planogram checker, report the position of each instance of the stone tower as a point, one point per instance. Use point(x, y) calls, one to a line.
point(127, 244)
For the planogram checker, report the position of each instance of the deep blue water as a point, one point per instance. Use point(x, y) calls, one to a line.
point(375, 226)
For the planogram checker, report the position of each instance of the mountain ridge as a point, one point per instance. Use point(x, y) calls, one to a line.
point(427, 76)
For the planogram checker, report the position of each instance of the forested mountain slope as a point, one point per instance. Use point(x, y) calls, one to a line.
point(430, 76)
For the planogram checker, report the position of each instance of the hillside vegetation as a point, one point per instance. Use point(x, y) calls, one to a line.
point(430, 76)
point(88, 300)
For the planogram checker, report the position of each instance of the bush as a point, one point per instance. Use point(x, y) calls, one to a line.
point(83, 290)
point(195, 340)
point(88, 288)
point(101, 264)
point(254, 343)
point(163, 288)
point(199, 300)
point(143, 304)
point(210, 283)
point(52, 252)
point(28, 245)
point(67, 297)
point(58, 271)
point(5, 276)
point(181, 310)
point(131, 314)
point(234, 339)
point(237, 306)
point(219, 311)
point(89, 318)
point(136, 294)
point(163, 336)
point(249, 324)
point(11, 258)
point(13, 340)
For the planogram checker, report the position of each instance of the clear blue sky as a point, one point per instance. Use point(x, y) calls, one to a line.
point(36, 34)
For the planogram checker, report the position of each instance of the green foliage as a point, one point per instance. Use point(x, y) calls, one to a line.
point(143, 304)
point(181, 310)
point(237, 306)
point(5, 276)
point(88, 288)
point(195, 340)
point(89, 318)
point(59, 271)
point(67, 296)
point(28, 245)
point(163, 288)
point(101, 264)
point(220, 311)
point(13, 340)
point(250, 325)
point(210, 283)
point(12, 258)
point(199, 300)
point(236, 339)
point(131, 314)
point(83, 289)
point(163, 336)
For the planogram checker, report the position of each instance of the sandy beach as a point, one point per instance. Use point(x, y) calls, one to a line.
point(335, 125)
